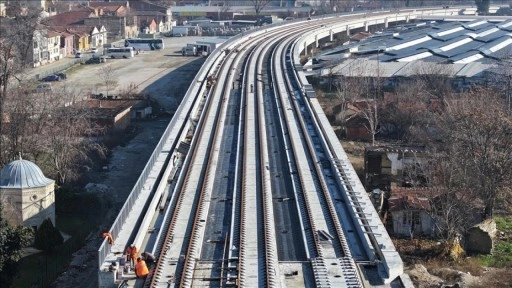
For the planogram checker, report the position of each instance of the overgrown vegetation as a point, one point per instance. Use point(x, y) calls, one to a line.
point(466, 169)
point(47, 238)
point(502, 254)
point(12, 241)
point(78, 216)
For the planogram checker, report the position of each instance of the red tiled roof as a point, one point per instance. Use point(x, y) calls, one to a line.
point(360, 36)
point(106, 6)
point(68, 31)
point(70, 17)
point(53, 34)
point(409, 198)
point(81, 29)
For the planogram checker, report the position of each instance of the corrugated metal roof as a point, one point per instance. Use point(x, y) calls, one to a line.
point(421, 68)
point(493, 36)
point(448, 37)
point(473, 45)
point(370, 68)
point(454, 43)
point(506, 25)
point(496, 45)
point(474, 25)
point(472, 69)
point(467, 57)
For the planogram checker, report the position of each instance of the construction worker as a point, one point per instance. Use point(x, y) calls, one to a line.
point(148, 258)
point(141, 270)
point(109, 237)
point(134, 254)
point(128, 253)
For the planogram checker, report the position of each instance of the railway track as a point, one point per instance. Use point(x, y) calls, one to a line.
point(260, 197)
point(252, 228)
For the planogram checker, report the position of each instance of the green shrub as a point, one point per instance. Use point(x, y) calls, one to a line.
point(47, 237)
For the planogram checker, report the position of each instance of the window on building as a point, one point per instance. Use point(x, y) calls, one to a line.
point(416, 217)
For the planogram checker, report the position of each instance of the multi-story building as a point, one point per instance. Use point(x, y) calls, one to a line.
point(53, 46)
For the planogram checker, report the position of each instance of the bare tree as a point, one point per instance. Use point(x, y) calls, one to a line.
point(46, 127)
point(15, 54)
point(405, 110)
point(361, 86)
point(370, 112)
point(107, 75)
point(499, 78)
point(483, 6)
point(344, 92)
point(436, 79)
point(259, 5)
point(476, 129)
point(453, 205)
point(70, 141)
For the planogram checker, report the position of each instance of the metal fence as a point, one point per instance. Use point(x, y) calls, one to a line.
point(104, 249)
point(43, 71)
point(130, 201)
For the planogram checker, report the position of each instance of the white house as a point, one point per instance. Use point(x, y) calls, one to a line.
point(410, 212)
point(98, 36)
point(53, 46)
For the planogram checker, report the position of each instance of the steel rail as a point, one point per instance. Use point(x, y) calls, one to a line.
point(305, 200)
point(171, 230)
point(353, 278)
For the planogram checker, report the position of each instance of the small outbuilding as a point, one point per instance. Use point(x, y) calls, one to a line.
point(28, 197)
point(480, 238)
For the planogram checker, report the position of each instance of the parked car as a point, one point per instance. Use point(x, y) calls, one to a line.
point(78, 55)
point(62, 75)
point(94, 50)
point(95, 59)
point(51, 78)
point(43, 88)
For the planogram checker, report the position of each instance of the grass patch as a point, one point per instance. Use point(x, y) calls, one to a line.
point(502, 253)
point(504, 224)
point(501, 257)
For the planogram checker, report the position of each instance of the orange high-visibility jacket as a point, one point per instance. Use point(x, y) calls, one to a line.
point(109, 237)
point(134, 252)
point(141, 269)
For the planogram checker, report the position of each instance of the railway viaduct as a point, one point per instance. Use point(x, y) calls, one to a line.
point(249, 186)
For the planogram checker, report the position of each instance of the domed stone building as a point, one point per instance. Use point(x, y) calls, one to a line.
point(27, 196)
